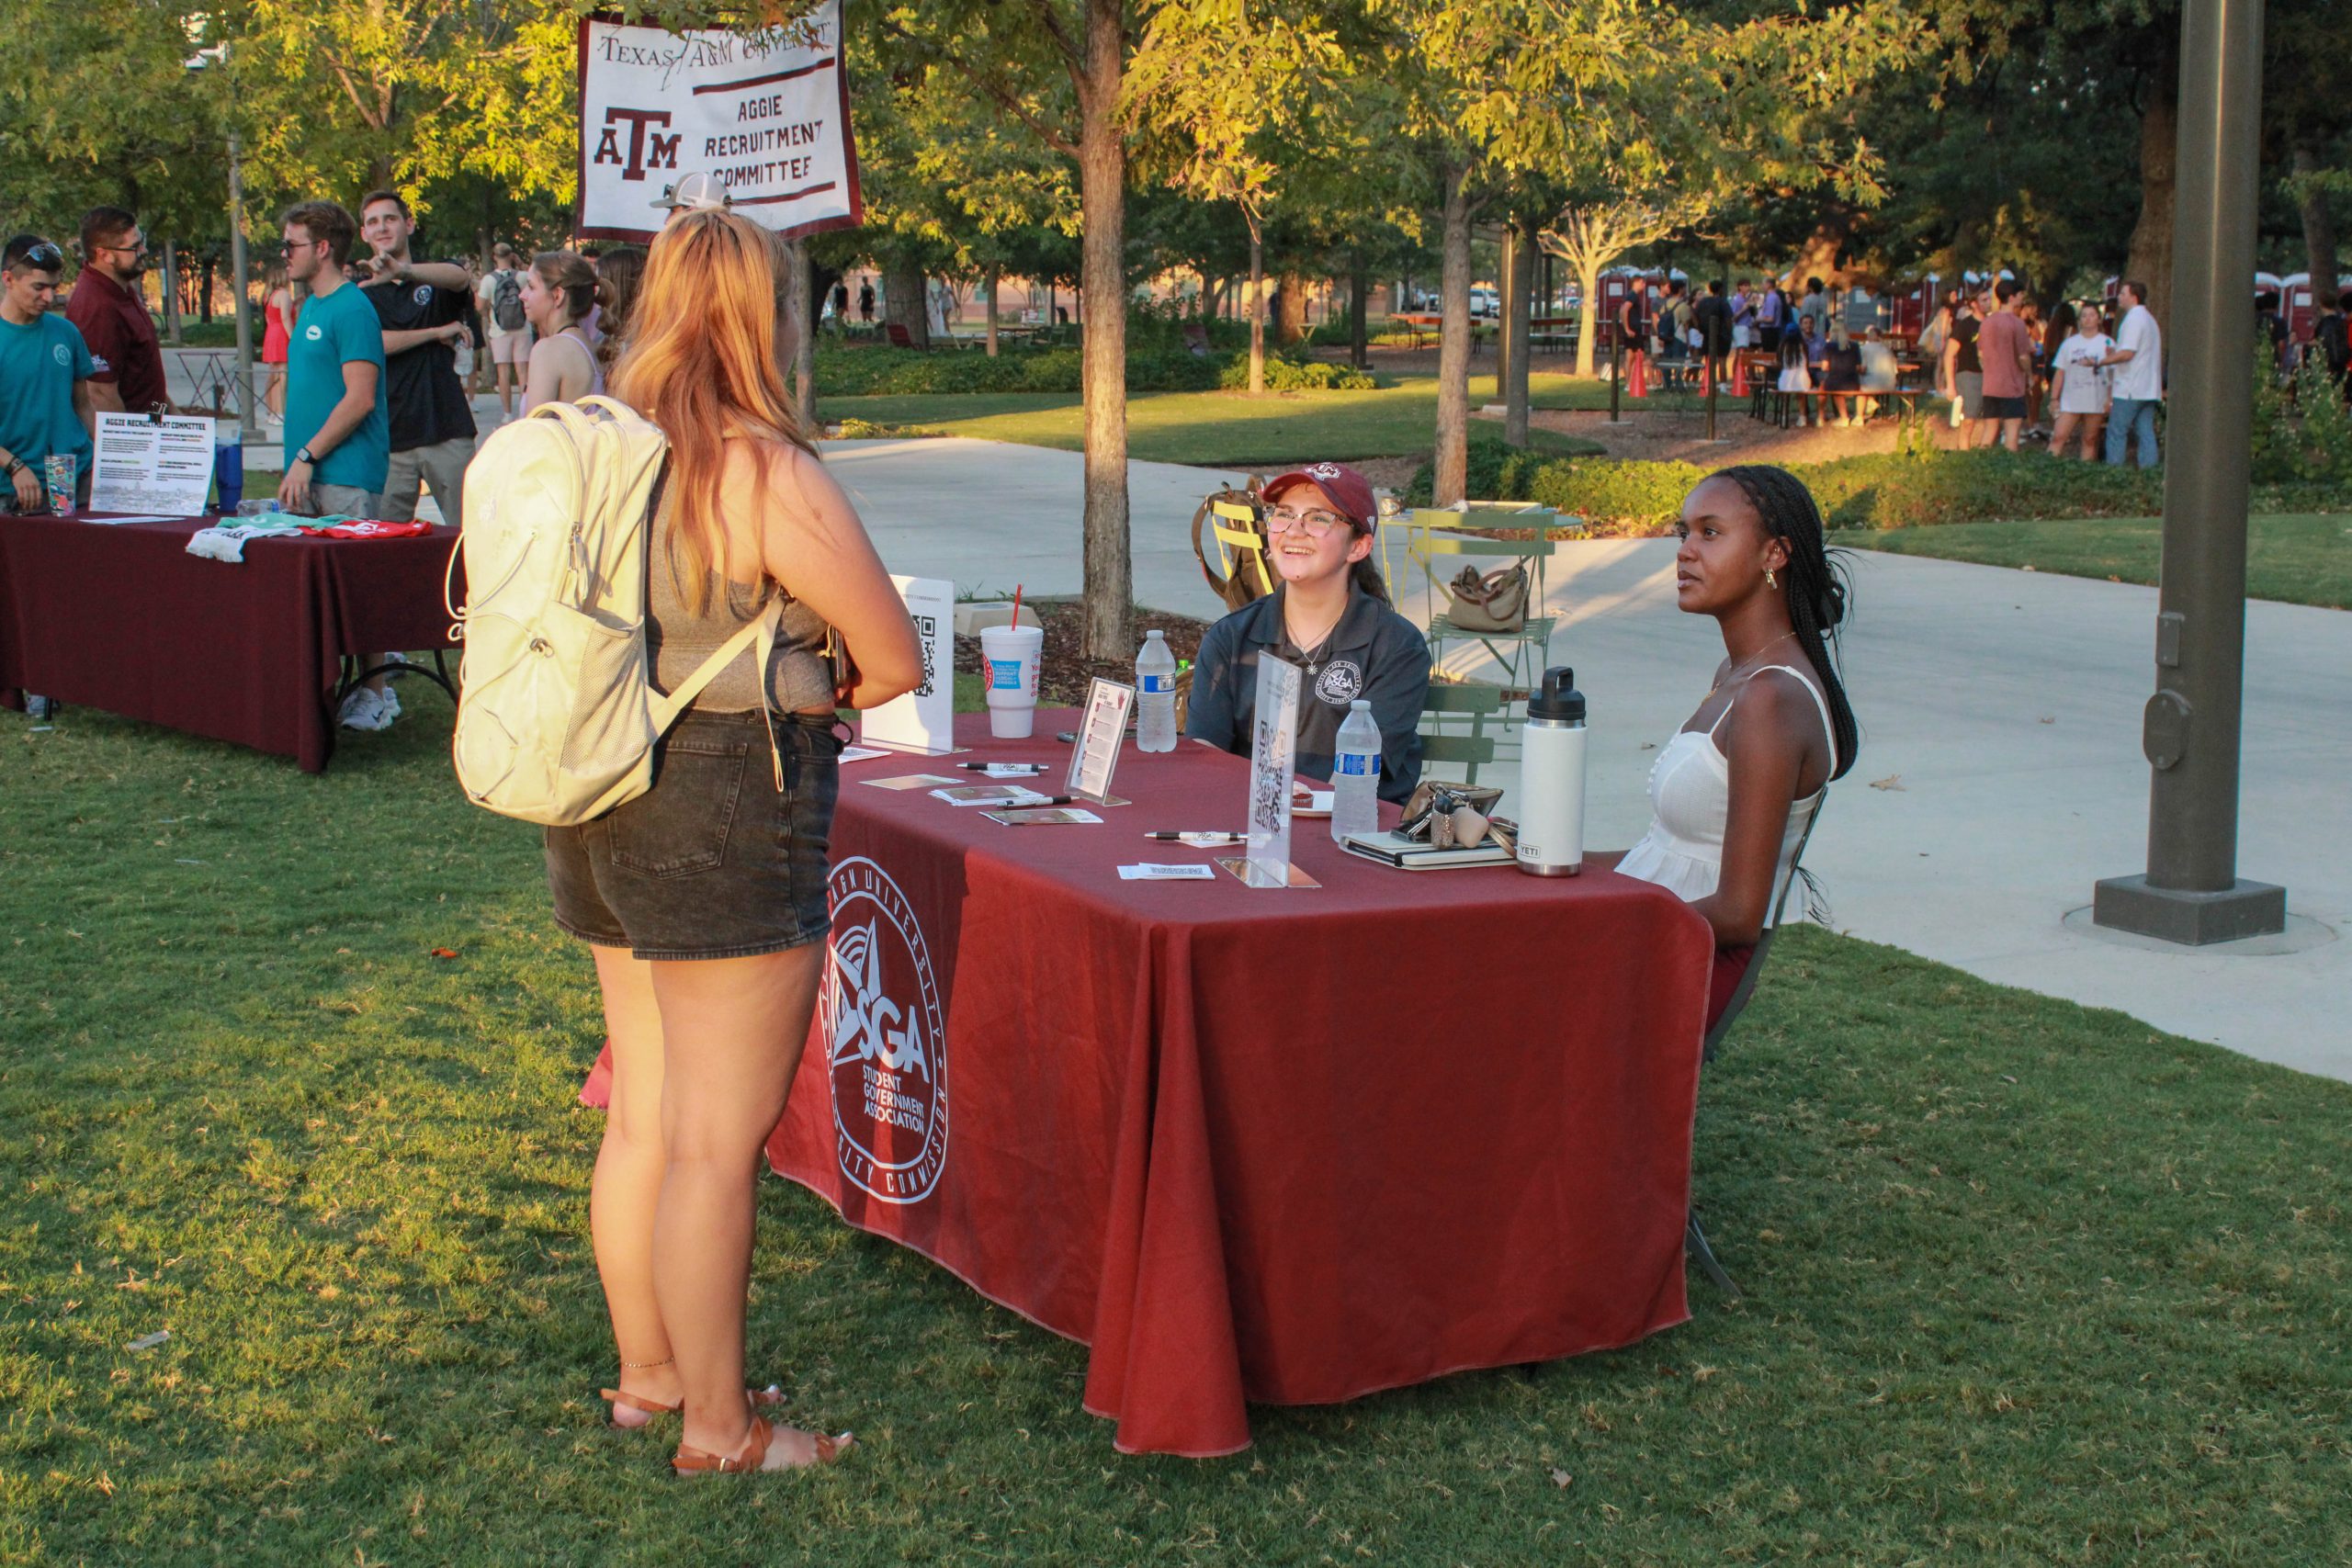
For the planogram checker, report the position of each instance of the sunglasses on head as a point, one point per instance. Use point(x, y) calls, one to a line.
point(43, 257)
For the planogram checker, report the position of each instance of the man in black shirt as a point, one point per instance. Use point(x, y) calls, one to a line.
point(422, 306)
point(1711, 318)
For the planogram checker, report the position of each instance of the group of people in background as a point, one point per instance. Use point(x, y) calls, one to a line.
point(2004, 365)
point(2095, 368)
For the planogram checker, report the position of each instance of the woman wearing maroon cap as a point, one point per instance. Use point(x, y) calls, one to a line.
point(1331, 618)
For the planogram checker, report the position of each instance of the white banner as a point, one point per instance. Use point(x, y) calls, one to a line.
point(766, 113)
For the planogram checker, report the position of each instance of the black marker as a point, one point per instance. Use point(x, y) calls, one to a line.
point(1197, 836)
point(984, 767)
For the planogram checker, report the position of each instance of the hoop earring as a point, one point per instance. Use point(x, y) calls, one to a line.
point(1769, 581)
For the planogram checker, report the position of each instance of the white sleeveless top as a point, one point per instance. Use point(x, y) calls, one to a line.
point(1691, 800)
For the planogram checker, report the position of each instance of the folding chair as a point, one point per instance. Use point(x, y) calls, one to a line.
point(1447, 702)
point(1433, 543)
point(1694, 1235)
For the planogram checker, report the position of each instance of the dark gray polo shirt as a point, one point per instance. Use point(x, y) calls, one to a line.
point(1374, 653)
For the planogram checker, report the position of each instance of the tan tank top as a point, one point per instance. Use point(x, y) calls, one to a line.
point(677, 639)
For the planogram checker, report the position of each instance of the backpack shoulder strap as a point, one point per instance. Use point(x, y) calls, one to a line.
point(762, 633)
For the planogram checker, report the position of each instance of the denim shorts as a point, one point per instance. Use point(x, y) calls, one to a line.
point(712, 861)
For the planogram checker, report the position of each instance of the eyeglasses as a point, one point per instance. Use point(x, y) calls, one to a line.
point(43, 257)
point(1282, 520)
point(137, 250)
point(289, 247)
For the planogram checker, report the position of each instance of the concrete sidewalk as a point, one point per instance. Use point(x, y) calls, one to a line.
point(2001, 710)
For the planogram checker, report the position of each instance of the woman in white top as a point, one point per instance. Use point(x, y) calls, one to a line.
point(1736, 788)
point(2083, 385)
point(559, 290)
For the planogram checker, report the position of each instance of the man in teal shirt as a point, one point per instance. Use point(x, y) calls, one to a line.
point(45, 371)
point(339, 429)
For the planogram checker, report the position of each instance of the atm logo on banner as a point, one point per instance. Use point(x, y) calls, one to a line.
point(886, 1050)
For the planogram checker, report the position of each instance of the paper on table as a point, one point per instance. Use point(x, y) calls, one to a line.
point(151, 517)
point(1047, 818)
point(1150, 872)
point(859, 753)
point(908, 781)
point(991, 795)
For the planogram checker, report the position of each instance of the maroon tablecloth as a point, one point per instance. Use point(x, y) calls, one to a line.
point(1291, 1146)
point(121, 617)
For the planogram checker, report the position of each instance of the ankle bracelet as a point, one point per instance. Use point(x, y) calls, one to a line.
point(643, 1366)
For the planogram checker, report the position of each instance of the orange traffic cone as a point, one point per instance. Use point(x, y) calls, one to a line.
point(1738, 373)
point(1637, 382)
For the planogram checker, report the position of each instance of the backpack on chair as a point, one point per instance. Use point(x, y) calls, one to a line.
point(1247, 577)
point(557, 718)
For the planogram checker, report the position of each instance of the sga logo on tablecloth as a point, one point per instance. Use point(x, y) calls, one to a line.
point(886, 1051)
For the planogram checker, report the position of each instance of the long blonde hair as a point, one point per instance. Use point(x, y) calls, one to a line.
point(705, 361)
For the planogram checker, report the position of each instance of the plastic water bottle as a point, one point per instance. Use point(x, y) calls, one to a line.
point(1355, 774)
point(1155, 695)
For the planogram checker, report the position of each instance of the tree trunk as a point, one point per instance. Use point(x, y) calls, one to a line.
point(902, 300)
point(2319, 231)
point(1291, 325)
point(204, 295)
point(995, 277)
point(2149, 259)
point(1256, 308)
point(1359, 307)
point(1592, 322)
point(1102, 189)
point(1521, 280)
point(1502, 311)
point(804, 336)
point(171, 294)
point(1453, 456)
point(1818, 255)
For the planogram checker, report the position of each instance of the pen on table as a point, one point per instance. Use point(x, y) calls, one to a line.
point(1170, 837)
point(984, 767)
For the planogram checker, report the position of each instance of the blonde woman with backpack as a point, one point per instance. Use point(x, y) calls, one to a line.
point(702, 899)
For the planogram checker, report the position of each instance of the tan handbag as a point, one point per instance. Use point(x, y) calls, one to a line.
point(1495, 602)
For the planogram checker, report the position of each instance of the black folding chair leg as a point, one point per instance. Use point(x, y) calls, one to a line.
point(1694, 1242)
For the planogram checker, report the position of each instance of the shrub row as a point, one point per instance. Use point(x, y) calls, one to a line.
point(1873, 491)
point(861, 372)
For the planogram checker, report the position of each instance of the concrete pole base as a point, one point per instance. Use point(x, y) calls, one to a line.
point(2193, 919)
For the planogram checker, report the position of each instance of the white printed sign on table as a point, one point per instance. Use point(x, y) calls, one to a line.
point(765, 112)
point(923, 720)
point(145, 464)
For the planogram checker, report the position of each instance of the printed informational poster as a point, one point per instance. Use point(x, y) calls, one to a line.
point(765, 113)
point(1096, 756)
point(144, 464)
point(1273, 749)
point(923, 720)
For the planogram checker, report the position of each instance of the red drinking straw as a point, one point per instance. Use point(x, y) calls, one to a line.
point(1016, 606)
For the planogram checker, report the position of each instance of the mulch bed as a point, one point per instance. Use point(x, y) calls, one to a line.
point(1062, 681)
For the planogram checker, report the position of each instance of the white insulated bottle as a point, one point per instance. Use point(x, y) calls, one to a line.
point(1551, 779)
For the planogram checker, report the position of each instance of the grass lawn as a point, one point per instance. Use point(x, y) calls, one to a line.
point(1227, 429)
point(2026, 1282)
point(2300, 560)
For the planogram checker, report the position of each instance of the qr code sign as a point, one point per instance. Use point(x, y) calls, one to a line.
point(927, 629)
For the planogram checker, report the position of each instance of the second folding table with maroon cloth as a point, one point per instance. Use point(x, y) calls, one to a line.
point(119, 616)
point(1286, 1146)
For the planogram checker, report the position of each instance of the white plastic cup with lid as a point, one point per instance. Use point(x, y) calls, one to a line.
point(1011, 655)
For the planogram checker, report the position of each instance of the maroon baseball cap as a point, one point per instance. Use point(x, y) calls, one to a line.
point(1342, 486)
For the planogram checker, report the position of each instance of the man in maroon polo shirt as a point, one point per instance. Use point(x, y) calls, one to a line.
point(111, 314)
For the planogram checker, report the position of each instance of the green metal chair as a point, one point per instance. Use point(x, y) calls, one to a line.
point(1694, 1235)
point(1435, 542)
point(1448, 702)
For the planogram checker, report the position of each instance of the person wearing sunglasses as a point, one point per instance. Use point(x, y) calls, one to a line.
point(45, 371)
point(111, 312)
point(1330, 616)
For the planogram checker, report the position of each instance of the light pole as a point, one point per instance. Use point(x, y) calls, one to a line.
point(248, 403)
point(2191, 892)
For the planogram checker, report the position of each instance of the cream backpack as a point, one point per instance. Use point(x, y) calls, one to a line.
point(557, 721)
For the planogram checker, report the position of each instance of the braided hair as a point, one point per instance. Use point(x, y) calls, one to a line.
point(1815, 584)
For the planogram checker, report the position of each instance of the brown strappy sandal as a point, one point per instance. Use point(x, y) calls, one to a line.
point(753, 1453)
point(759, 1397)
